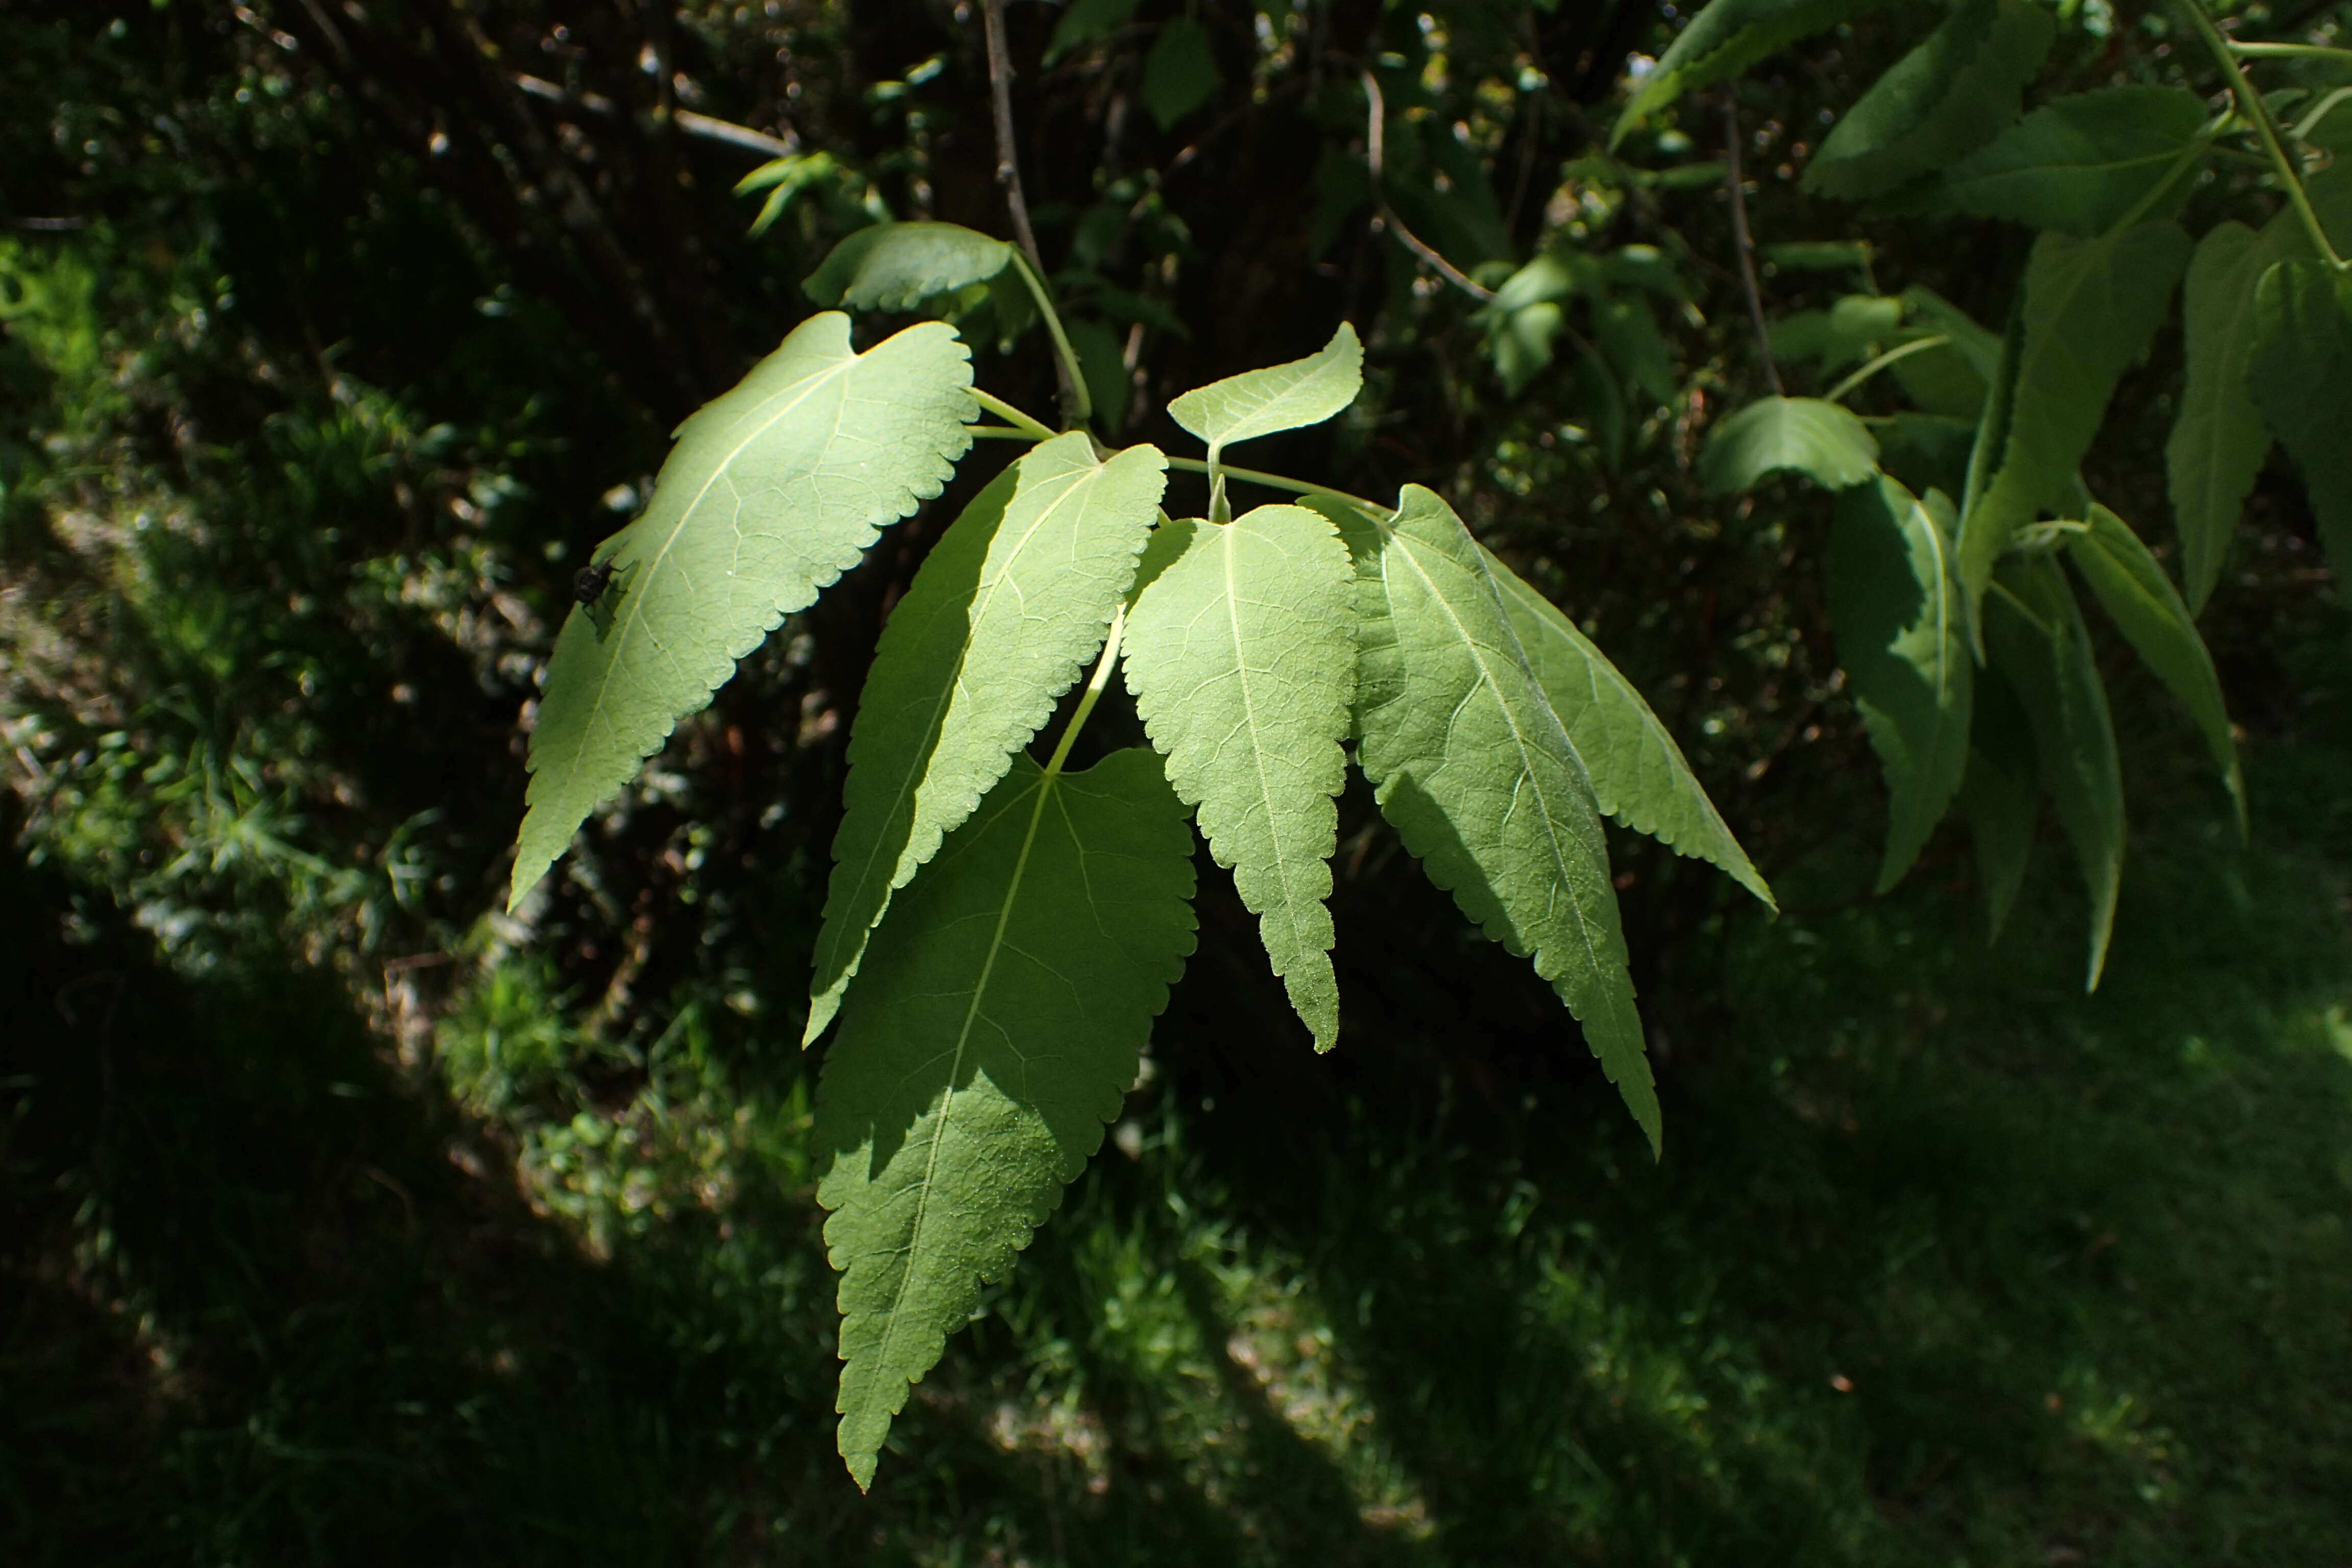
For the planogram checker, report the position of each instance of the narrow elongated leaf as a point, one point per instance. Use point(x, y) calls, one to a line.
point(1822, 440)
point(1474, 771)
point(1008, 608)
point(773, 491)
point(973, 1074)
point(2145, 608)
point(2301, 376)
point(1637, 773)
point(1725, 39)
point(2218, 440)
point(2035, 635)
point(1901, 623)
point(1944, 99)
point(2082, 164)
point(898, 266)
point(1279, 397)
point(1242, 657)
point(2091, 306)
point(1999, 796)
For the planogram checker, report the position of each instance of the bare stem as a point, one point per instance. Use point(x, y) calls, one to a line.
point(1376, 112)
point(1033, 429)
point(1103, 667)
point(1075, 409)
point(1742, 241)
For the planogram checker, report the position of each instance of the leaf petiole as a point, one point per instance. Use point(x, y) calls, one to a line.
point(1916, 346)
point(1021, 422)
point(1094, 684)
point(1281, 482)
point(1082, 408)
point(2289, 52)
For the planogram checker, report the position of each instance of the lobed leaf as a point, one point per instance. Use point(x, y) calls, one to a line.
point(1279, 397)
point(2083, 163)
point(973, 1074)
point(1944, 99)
point(2301, 370)
point(1901, 623)
point(1006, 611)
point(1242, 657)
point(1474, 771)
point(898, 266)
point(1637, 773)
point(2035, 636)
point(2091, 306)
point(1724, 40)
point(1823, 441)
point(2140, 599)
point(773, 491)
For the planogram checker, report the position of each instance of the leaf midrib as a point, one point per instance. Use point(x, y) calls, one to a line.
point(1257, 750)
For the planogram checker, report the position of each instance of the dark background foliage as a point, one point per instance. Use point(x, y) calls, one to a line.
point(343, 1218)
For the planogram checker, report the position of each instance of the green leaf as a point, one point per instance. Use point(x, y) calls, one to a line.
point(1901, 624)
point(1279, 397)
point(1006, 611)
point(1839, 336)
point(2091, 306)
point(1180, 73)
point(1953, 379)
point(1084, 22)
point(1820, 255)
point(1926, 451)
point(1628, 332)
point(2219, 439)
point(1999, 796)
point(1637, 773)
point(1102, 360)
point(1821, 440)
point(1520, 342)
point(973, 1074)
point(1944, 99)
point(2140, 599)
point(1242, 658)
point(2302, 374)
point(1724, 40)
point(2083, 163)
point(1474, 770)
point(785, 178)
point(2036, 638)
point(771, 493)
point(898, 266)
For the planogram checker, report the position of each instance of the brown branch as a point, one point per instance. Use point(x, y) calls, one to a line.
point(702, 125)
point(1008, 175)
point(1376, 112)
point(1742, 240)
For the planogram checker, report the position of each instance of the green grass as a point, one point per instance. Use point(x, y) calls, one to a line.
point(1947, 1263)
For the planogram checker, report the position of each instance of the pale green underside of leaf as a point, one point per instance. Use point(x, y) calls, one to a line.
point(1822, 440)
point(1242, 658)
point(1279, 397)
point(2302, 376)
point(2218, 440)
point(2091, 306)
point(2082, 163)
point(1941, 101)
point(1637, 773)
point(1006, 611)
point(1474, 771)
point(998, 1032)
point(898, 266)
point(773, 491)
point(2145, 607)
point(1725, 39)
point(1901, 624)
point(2035, 635)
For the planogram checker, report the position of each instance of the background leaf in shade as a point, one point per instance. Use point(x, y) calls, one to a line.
point(1823, 441)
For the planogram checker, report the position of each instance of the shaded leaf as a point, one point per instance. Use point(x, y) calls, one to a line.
point(1901, 624)
point(1084, 22)
point(898, 266)
point(773, 491)
point(2301, 376)
point(2083, 163)
point(1006, 611)
point(1242, 658)
point(1821, 440)
point(1944, 99)
point(1837, 337)
point(1628, 334)
point(1180, 73)
point(974, 1074)
point(1724, 40)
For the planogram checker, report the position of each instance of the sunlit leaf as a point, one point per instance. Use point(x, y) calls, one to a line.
point(1279, 397)
point(898, 266)
point(1823, 441)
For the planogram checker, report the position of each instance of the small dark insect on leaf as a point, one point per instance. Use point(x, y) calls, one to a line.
point(589, 585)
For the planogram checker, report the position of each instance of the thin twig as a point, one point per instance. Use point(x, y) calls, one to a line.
point(1008, 175)
point(1376, 109)
point(686, 119)
point(1735, 181)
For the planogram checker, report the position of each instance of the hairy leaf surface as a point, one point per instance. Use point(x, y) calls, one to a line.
point(773, 491)
point(2218, 440)
point(1824, 441)
point(1007, 609)
point(2035, 635)
point(1901, 624)
point(2140, 599)
point(2302, 376)
point(898, 266)
point(1475, 771)
point(2091, 306)
point(1944, 99)
point(1279, 397)
point(1242, 657)
point(974, 1072)
point(1637, 773)
point(2082, 164)
point(1725, 39)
